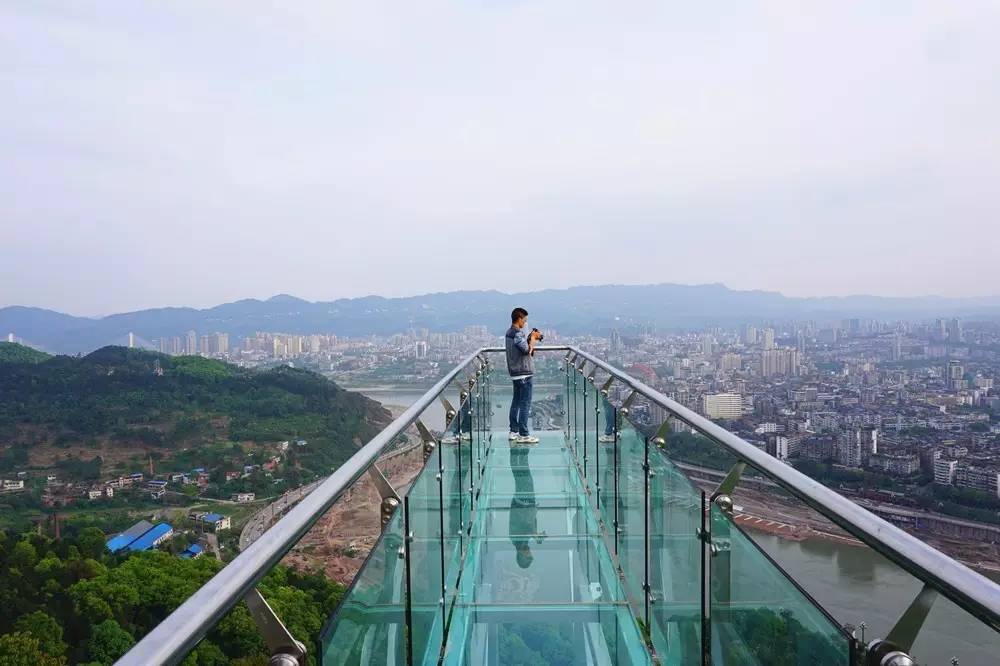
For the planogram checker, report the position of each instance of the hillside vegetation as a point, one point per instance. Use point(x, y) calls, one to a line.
point(70, 601)
point(120, 402)
point(11, 352)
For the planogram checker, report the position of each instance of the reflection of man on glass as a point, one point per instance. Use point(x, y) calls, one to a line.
point(609, 423)
point(520, 364)
point(461, 424)
point(523, 508)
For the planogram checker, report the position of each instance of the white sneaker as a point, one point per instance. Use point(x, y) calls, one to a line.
point(450, 439)
point(466, 436)
point(606, 439)
point(513, 436)
point(526, 439)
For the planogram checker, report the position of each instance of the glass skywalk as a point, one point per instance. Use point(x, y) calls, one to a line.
point(589, 547)
point(585, 548)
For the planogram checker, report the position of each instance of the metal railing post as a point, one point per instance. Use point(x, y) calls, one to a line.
point(441, 539)
point(705, 536)
point(597, 445)
point(616, 455)
point(645, 530)
point(407, 539)
point(585, 479)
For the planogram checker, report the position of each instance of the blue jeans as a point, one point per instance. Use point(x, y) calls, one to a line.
point(609, 419)
point(520, 406)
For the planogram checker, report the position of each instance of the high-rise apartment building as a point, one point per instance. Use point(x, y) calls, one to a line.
point(978, 477)
point(707, 344)
point(616, 341)
point(955, 375)
point(191, 343)
point(750, 335)
point(955, 331)
point(944, 471)
point(420, 349)
point(847, 450)
point(768, 339)
point(723, 406)
point(779, 362)
point(730, 362)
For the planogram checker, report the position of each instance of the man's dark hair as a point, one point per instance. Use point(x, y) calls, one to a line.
point(517, 313)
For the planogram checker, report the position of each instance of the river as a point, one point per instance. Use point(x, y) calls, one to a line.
point(856, 584)
point(844, 579)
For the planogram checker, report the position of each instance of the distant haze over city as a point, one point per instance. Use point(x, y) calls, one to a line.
point(577, 310)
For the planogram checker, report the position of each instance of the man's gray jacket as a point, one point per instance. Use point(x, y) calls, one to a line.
point(520, 362)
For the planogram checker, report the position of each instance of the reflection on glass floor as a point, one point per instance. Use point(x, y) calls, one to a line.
point(539, 586)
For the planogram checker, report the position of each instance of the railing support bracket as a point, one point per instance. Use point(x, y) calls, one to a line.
point(284, 649)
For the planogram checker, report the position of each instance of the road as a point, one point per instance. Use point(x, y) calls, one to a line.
point(263, 519)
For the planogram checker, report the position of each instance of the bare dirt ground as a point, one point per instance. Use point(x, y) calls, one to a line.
point(339, 543)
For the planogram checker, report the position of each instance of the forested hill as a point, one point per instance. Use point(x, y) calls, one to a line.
point(11, 352)
point(118, 401)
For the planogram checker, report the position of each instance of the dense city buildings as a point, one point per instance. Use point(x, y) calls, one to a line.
point(911, 404)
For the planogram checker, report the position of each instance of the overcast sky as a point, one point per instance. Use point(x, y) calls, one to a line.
point(192, 153)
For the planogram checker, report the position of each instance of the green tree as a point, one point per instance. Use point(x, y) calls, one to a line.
point(108, 641)
point(91, 542)
point(23, 556)
point(45, 630)
point(206, 653)
point(21, 649)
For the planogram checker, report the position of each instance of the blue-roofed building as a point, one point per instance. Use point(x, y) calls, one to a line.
point(152, 538)
point(192, 551)
point(217, 521)
point(120, 541)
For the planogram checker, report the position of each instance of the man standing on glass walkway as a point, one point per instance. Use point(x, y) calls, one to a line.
point(520, 364)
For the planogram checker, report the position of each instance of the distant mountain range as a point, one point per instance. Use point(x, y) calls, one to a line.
point(571, 311)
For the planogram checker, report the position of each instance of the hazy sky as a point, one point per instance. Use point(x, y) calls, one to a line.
point(196, 152)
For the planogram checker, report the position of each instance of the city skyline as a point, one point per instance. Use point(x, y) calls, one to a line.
point(334, 151)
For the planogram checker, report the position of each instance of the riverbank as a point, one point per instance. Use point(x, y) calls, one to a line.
point(758, 510)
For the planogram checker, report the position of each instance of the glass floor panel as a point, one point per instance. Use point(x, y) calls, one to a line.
point(545, 635)
point(551, 521)
point(538, 585)
point(540, 570)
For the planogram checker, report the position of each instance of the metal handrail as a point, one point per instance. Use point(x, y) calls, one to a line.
point(179, 632)
point(971, 591)
point(172, 639)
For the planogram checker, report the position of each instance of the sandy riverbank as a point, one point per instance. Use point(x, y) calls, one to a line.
point(763, 511)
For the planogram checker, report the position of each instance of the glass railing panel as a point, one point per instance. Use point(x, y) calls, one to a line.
point(369, 626)
point(426, 560)
point(758, 614)
point(607, 450)
point(455, 513)
point(588, 444)
point(630, 505)
point(675, 561)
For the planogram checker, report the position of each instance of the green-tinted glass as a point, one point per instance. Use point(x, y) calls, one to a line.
point(758, 615)
point(368, 628)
